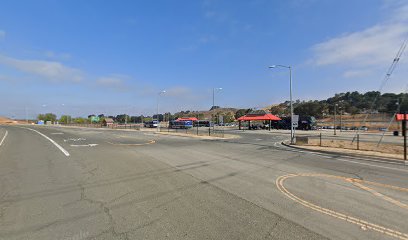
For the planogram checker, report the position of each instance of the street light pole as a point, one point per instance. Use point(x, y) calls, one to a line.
point(213, 106)
point(213, 95)
point(26, 117)
point(158, 119)
point(292, 135)
point(334, 120)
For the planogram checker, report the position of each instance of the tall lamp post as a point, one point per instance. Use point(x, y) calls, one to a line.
point(213, 94)
point(213, 98)
point(292, 135)
point(158, 119)
point(334, 120)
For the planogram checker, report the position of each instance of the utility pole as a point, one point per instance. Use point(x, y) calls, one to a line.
point(341, 114)
point(404, 132)
point(334, 120)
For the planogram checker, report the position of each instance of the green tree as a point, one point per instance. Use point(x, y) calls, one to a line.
point(229, 117)
point(122, 118)
point(47, 117)
point(65, 119)
point(310, 108)
point(80, 120)
point(241, 112)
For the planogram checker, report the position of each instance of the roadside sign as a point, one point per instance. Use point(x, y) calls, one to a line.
point(400, 117)
point(295, 122)
point(221, 120)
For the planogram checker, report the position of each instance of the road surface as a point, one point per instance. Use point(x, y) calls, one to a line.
point(71, 183)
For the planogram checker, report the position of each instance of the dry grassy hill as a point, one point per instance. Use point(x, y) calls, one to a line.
point(4, 120)
point(373, 121)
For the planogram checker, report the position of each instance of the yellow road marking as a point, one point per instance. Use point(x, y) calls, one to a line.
point(362, 223)
point(381, 185)
point(377, 194)
point(133, 144)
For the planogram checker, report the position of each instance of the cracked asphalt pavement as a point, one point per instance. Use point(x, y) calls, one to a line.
point(141, 185)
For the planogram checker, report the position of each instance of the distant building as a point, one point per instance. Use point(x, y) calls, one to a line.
point(107, 122)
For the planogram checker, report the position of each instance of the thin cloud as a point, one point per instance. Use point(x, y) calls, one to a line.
point(178, 92)
point(55, 55)
point(357, 73)
point(111, 82)
point(373, 46)
point(2, 34)
point(49, 70)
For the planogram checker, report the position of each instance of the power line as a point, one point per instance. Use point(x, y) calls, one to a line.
point(385, 80)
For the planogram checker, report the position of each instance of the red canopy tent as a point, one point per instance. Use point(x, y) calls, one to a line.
point(187, 119)
point(265, 117)
point(400, 117)
point(258, 116)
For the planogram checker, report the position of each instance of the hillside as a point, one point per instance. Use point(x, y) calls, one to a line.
point(4, 120)
point(226, 112)
point(349, 103)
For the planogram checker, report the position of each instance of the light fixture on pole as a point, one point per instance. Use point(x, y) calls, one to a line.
point(292, 135)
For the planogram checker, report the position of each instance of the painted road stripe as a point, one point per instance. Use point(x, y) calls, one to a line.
point(85, 145)
point(2, 140)
point(57, 133)
point(132, 144)
point(364, 225)
point(52, 141)
point(371, 165)
point(351, 161)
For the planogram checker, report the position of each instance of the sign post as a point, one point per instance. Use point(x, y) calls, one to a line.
point(404, 132)
point(295, 124)
point(403, 118)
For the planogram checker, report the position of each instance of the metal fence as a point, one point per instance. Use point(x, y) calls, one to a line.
point(198, 131)
point(360, 141)
point(111, 126)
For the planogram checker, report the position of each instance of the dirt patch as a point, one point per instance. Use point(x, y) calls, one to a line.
point(362, 146)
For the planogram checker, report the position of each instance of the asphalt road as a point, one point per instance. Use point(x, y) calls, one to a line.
point(69, 183)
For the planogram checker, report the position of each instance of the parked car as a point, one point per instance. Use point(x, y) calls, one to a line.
point(364, 128)
point(151, 124)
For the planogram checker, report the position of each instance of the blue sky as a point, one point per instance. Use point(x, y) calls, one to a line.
point(82, 57)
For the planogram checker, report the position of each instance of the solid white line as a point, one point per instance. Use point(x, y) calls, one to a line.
point(2, 140)
point(372, 165)
point(360, 163)
point(52, 141)
point(86, 145)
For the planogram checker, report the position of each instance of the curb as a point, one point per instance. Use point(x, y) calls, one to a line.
point(194, 136)
point(362, 156)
